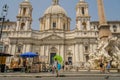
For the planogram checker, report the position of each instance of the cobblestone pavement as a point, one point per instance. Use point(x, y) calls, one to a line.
point(59, 78)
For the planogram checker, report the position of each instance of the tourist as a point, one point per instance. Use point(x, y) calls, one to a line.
point(55, 66)
point(101, 67)
point(53, 69)
point(66, 66)
point(108, 66)
point(58, 69)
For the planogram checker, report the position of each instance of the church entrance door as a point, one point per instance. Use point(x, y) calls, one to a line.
point(51, 57)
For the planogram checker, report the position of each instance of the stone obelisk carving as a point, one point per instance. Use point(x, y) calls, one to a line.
point(104, 31)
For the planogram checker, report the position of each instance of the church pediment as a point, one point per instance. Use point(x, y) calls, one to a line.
point(52, 37)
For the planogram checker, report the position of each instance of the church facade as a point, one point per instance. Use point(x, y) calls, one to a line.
point(54, 36)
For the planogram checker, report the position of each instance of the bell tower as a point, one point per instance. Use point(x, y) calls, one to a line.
point(82, 16)
point(24, 17)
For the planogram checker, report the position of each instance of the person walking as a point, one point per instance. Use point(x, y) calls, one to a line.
point(108, 66)
point(56, 66)
point(58, 69)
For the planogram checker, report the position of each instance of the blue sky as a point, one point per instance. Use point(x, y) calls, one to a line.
point(112, 9)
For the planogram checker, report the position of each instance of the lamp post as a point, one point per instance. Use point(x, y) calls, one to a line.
point(3, 14)
point(2, 19)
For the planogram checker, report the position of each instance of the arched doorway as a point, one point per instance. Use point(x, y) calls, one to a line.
point(53, 52)
point(51, 57)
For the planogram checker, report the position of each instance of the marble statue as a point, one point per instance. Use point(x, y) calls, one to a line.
point(107, 52)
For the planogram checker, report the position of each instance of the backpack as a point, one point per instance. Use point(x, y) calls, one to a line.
point(59, 66)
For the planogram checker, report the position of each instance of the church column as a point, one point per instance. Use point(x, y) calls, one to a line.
point(10, 49)
point(81, 53)
point(41, 25)
point(48, 23)
point(118, 26)
point(61, 24)
point(45, 23)
point(47, 50)
point(88, 25)
point(78, 24)
point(27, 25)
point(24, 48)
point(41, 52)
point(68, 23)
point(94, 47)
point(21, 10)
point(8, 60)
point(73, 53)
point(76, 52)
point(18, 26)
point(28, 47)
point(86, 11)
point(91, 48)
point(62, 51)
point(58, 47)
point(13, 50)
point(28, 11)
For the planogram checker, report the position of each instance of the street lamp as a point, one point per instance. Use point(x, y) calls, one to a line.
point(3, 14)
point(2, 19)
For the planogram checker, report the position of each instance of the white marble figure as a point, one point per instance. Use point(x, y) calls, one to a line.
point(104, 55)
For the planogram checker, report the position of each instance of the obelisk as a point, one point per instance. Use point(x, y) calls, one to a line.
point(104, 28)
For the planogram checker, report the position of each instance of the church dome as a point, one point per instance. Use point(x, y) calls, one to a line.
point(26, 3)
point(55, 8)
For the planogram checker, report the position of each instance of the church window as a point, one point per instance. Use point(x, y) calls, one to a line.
point(86, 48)
point(87, 58)
point(83, 12)
point(19, 49)
point(64, 26)
point(54, 25)
point(114, 28)
point(84, 26)
point(24, 11)
point(6, 48)
point(22, 26)
point(1, 47)
point(70, 60)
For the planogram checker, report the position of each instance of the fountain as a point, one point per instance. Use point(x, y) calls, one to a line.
point(108, 49)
